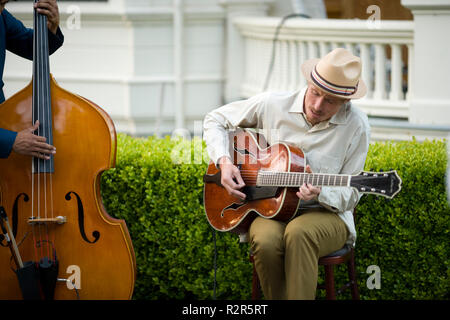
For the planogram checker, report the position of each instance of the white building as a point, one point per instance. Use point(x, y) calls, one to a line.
point(160, 65)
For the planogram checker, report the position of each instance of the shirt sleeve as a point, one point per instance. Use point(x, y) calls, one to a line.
point(345, 199)
point(244, 114)
point(7, 139)
point(55, 41)
point(19, 39)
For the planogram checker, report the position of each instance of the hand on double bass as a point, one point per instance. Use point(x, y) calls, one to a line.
point(29, 144)
point(50, 9)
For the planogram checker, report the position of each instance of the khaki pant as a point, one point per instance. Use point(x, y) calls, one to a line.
point(286, 255)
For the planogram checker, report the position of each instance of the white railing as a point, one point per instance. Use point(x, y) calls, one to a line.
point(386, 50)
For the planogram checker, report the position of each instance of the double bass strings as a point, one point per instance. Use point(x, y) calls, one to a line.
point(46, 103)
point(48, 126)
point(35, 163)
point(41, 112)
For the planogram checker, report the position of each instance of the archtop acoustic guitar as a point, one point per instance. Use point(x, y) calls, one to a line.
point(272, 176)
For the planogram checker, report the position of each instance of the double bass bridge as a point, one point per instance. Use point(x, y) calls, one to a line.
point(56, 220)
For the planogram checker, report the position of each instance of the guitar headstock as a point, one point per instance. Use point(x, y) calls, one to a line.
point(386, 184)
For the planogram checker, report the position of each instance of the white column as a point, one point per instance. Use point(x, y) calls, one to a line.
point(430, 100)
point(366, 68)
point(350, 47)
point(294, 58)
point(312, 50)
point(284, 64)
point(323, 49)
point(396, 73)
point(380, 72)
point(178, 23)
point(410, 71)
point(303, 57)
point(234, 62)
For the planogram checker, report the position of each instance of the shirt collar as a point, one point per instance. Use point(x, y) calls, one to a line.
point(297, 106)
point(339, 118)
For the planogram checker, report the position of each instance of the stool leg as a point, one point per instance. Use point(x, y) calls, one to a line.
point(329, 282)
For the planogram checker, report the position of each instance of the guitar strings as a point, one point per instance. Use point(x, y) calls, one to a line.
point(281, 177)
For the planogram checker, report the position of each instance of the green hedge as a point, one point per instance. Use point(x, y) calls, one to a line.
point(157, 188)
point(408, 237)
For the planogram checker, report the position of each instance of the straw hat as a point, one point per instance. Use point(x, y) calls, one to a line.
point(338, 74)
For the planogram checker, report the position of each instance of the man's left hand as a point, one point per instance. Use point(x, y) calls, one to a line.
point(307, 191)
point(50, 9)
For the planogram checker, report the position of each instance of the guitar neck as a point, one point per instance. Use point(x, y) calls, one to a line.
point(296, 179)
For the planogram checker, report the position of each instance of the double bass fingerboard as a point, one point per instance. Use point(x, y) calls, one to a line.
point(296, 179)
point(42, 106)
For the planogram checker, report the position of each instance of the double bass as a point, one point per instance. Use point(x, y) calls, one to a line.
point(66, 244)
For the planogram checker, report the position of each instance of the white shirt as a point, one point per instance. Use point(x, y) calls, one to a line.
point(337, 146)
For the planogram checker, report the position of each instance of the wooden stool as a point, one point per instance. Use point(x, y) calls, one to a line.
point(344, 255)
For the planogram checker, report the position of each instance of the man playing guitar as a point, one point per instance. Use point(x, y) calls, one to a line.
point(334, 136)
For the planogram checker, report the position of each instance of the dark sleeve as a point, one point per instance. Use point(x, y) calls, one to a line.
point(55, 40)
point(7, 139)
point(19, 39)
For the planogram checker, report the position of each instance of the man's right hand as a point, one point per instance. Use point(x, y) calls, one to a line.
point(50, 9)
point(231, 178)
point(29, 144)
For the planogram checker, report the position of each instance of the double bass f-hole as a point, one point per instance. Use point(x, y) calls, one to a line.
point(95, 234)
point(59, 220)
point(15, 212)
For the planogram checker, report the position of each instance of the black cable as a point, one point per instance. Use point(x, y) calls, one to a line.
point(275, 39)
point(76, 291)
point(215, 264)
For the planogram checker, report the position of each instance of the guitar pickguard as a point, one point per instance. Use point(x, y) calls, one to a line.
point(258, 193)
point(252, 193)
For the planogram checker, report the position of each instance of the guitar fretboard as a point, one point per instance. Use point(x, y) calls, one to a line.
point(296, 179)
